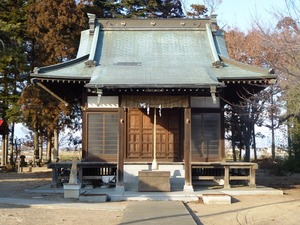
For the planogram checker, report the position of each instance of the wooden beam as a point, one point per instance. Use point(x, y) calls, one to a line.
point(52, 93)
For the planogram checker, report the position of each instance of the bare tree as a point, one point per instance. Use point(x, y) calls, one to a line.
point(212, 5)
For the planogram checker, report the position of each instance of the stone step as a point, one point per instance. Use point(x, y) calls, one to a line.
point(210, 199)
point(93, 198)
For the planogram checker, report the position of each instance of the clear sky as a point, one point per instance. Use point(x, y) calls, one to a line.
point(239, 13)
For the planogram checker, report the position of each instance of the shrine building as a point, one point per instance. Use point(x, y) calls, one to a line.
point(152, 93)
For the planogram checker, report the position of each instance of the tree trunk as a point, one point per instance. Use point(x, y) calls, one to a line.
point(4, 150)
point(41, 148)
point(272, 126)
point(233, 148)
point(273, 143)
point(56, 146)
point(36, 144)
point(254, 143)
point(247, 152)
point(240, 155)
point(289, 140)
point(49, 146)
point(248, 135)
point(11, 145)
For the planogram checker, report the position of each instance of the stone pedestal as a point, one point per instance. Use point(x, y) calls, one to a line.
point(154, 181)
point(71, 190)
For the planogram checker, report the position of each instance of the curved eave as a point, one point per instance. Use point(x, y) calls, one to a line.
point(75, 69)
point(47, 69)
point(262, 74)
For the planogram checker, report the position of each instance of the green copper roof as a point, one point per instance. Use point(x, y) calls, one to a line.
point(153, 58)
point(125, 53)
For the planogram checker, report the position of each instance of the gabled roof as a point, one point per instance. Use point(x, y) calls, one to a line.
point(153, 53)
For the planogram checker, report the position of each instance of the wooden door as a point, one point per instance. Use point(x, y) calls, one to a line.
point(140, 135)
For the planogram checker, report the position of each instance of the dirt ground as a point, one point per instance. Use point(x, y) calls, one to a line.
point(278, 209)
point(257, 209)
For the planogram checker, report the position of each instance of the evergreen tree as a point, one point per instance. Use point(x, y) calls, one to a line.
point(14, 67)
point(43, 114)
point(106, 8)
point(140, 8)
point(55, 28)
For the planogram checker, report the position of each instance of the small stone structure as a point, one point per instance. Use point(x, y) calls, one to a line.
point(154, 181)
point(72, 189)
point(209, 199)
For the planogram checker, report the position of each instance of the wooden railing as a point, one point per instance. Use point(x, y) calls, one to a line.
point(86, 171)
point(228, 171)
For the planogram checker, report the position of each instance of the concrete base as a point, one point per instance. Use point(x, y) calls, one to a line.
point(188, 188)
point(93, 198)
point(209, 199)
point(71, 190)
point(154, 181)
point(120, 188)
point(119, 194)
point(131, 177)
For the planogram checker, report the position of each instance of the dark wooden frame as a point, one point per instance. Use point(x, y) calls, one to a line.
point(221, 149)
point(85, 129)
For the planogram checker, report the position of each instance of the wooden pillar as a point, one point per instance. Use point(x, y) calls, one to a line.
point(187, 150)
point(222, 133)
point(226, 176)
point(252, 182)
point(154, 162)
point(84, 134)
point(122, 148)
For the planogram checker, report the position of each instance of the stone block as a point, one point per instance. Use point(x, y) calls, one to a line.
point(71, 190)
point(209, 199)
point(93, 197)
point(154, 181)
